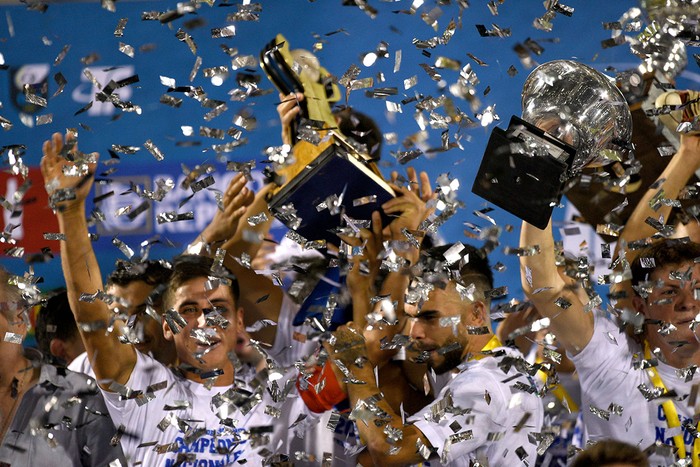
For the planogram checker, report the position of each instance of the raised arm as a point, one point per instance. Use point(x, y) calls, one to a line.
point(675, 176)
point(259, 296)
point(288, 110)
point(111, 360)
point(409, 210)
point(361, 283)
point(349, 351)
point(553, 296)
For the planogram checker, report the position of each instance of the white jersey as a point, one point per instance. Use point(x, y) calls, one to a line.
point(180, 422)
point(487, 419)
point(607, 375)
point(81, 364)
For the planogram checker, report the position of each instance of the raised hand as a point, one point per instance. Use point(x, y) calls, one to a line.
point(347, 346)
point(68, 173)
point(426, 191)
point(371, 243)
point(288, 109)
point(411, 204)
point(236, 200)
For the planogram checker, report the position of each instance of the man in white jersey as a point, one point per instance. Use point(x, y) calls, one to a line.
point(167, 418)
point(635, 386)
point(487, 413)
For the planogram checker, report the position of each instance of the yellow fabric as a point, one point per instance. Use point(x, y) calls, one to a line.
point(558, 390)
point(671, 413)
point(490, 345)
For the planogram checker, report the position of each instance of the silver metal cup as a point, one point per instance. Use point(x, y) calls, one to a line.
point(579, 106)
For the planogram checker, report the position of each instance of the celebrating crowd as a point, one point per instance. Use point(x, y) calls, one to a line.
point(208, 359)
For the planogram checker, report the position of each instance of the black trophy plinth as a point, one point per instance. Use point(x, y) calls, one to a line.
point(523, 171)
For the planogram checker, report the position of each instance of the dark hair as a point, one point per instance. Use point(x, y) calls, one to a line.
point(55, 320)
point(151, 272)
point(472, 267)
point(360, 128)
point(668, 252)
point(188, 267)
point(609, 452)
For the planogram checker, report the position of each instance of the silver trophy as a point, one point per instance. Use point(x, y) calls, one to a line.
point(573, 117)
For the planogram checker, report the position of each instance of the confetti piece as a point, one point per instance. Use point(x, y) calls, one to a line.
point(12, 338)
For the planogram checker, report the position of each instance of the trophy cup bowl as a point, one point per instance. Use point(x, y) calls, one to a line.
point(579, 106)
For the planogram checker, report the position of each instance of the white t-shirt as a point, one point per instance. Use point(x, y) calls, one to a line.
point(189, 406)
point(488, 409)
point(607, 376)
point(81, 364)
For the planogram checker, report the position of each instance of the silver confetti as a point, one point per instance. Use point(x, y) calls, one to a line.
point(154, 150)
point(202, 184)
point(123, 247)
point(12, 338)
point(119, 30)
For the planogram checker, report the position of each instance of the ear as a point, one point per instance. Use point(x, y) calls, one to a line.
point(478, 315)
point(57, 348)
point(167, 332)
point(639, 304)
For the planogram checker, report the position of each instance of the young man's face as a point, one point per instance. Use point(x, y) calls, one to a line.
point(441, 323)
point(672, 301)
point(194, 302)
point(136, 293)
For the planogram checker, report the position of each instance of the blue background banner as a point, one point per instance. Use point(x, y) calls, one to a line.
point(86, 46)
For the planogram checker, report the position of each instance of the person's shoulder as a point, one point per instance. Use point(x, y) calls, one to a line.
point(608, 330)
point(502, 367)
point(489, 368)
point(148, 371)
point(68, 381)
point(81, 364)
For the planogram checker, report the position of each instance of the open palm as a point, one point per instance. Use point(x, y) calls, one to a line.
point(68, 173)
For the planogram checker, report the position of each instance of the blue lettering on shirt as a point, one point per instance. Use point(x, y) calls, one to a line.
point(661, 415)
point(226, 447)
point(660, 433)
point(688, 438)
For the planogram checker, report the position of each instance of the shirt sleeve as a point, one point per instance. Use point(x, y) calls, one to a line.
point(146, 372)
point(606, 361)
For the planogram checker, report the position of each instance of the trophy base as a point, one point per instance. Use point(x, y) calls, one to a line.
point(523, 171)
point(301, 204)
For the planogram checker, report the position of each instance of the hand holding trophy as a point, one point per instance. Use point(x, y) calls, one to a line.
point(327, 186)
point(573, 117)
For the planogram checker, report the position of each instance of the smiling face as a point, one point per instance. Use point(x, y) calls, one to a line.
point(441, 324)
point(672, 300)
point(194, 303)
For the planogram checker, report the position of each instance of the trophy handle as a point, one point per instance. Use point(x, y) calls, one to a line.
point(319, 90)
point(315, 82)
